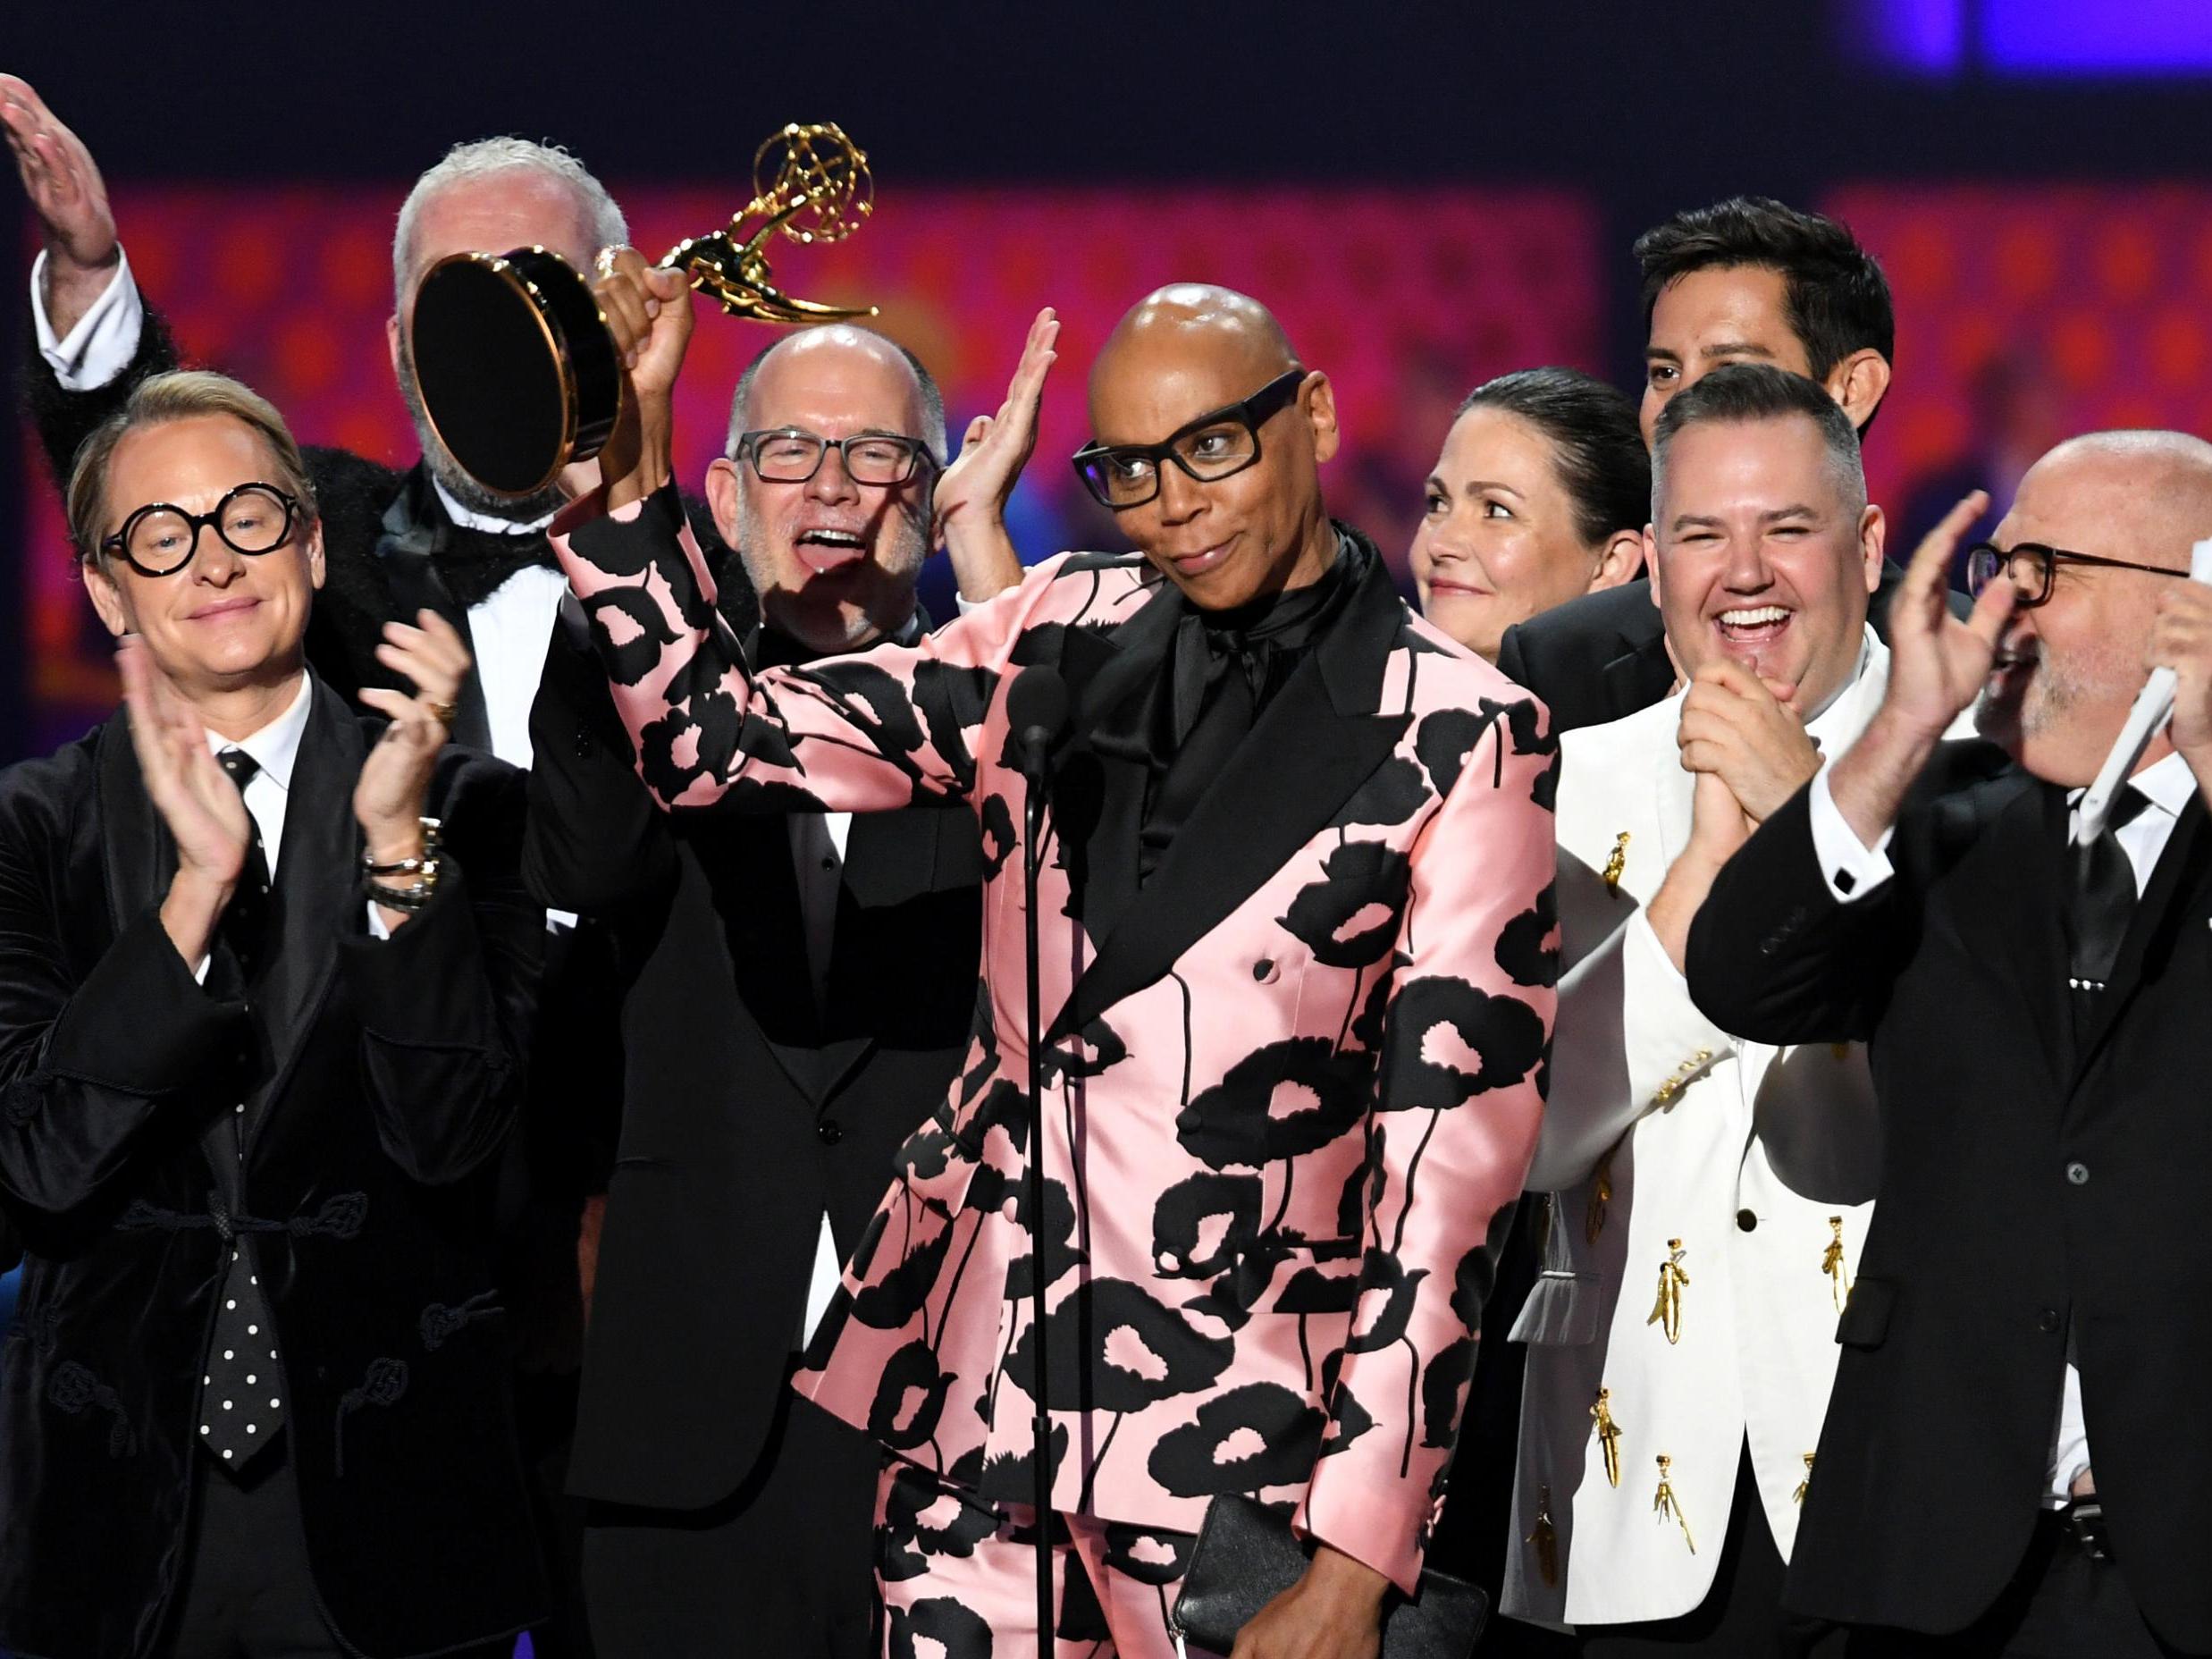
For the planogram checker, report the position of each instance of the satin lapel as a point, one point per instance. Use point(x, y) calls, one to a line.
point(415, 528)
point(2026, 842)
point(134, 847)
point(1637, 678)
point(1098, 799)
point(140, 858)
point(317, 894)
point(755, 887)
point(2182, 867)
point(1313, 745)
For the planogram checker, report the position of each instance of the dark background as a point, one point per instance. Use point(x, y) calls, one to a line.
point(1641, 107)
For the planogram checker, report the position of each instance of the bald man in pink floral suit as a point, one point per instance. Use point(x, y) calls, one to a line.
point(1297, 947)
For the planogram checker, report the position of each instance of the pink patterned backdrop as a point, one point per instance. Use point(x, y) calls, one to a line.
point(2097, 298)
point(1407, 298)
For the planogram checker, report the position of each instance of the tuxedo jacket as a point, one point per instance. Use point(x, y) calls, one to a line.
point(380, 1079)
point(1604, 656)
point(1665, 1130)
point(2031, 1186)
point(1288, 1089)
point(748, 1109)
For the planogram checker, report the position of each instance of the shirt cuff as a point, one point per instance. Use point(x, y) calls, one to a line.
point(377, 929)
point(1851, 869)
point(105, 338)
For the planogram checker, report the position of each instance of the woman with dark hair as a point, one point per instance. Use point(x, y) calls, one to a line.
point(1540, 495)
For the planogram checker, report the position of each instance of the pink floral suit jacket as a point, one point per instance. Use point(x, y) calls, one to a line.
point(1288, 1088)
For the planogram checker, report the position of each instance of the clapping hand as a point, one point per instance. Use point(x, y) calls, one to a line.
point(204, 812)
point(1938, 664)
point(1742, 730)
point(388, 800)
point(997, 447)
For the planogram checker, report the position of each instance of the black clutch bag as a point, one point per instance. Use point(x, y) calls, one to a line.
point(1246, 1556)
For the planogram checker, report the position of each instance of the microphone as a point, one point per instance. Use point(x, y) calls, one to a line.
point(1037, 713)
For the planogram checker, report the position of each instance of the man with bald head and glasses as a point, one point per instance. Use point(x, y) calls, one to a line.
point(1295, 986)
point(2009, 1456)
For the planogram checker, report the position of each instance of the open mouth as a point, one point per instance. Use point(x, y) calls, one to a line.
point(1753, 625)
point(821, 551)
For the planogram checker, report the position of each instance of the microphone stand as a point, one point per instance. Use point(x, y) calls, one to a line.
point(1035, 742)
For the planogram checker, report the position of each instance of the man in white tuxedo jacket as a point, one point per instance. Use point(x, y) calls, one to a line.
point(1707, 1195)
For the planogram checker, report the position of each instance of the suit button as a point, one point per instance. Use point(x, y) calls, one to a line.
point(827, 1132)
point(2048, 1322)
point(1265, 970)
point(2077, 1174)
point(1746, 1220)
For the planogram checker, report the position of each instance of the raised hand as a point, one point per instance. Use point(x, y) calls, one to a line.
point(394, 786)
point(1741, 729)
point(1938, 664)
point(997, 447)
point(204, 812)
point(66, 192)
point(649, 313)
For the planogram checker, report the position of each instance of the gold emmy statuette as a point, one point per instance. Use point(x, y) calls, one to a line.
point(1608, 1433)
point(1618, 862)
point(1667, 1311)
point(513, 361)
point(1667, 1506)
point(1832, 1264)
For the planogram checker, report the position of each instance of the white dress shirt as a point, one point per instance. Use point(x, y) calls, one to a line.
point(102, 343)
point(1855, 869)
point(275, 751)
point(818, 841)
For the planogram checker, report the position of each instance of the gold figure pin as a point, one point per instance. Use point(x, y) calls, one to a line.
point(1545, 1538)
point(1668, 1507)
point(1667, 1311)
point(1601, 1196)
point(1608, 1434)
point(1832, 1264)
point(1618, 862)
point(1798, 1496)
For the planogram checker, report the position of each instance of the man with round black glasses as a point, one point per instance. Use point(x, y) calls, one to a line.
point(2003, 1460)
point(1296, 990)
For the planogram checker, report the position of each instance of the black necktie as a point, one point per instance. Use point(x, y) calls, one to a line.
point(2104, 901)
point(244, 927)
point(240, 1406)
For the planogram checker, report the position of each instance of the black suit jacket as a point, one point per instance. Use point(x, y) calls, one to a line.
point(746, 1111)
point(381, 1080)
point(2029, 1186)
point(1604, 656)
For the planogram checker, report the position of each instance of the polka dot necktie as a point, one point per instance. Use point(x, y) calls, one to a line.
point(241, 1407)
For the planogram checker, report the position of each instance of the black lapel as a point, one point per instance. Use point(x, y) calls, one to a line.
point(317, 894)
point(748, 866)
point(414, 530)
point(2182, 867)
point(1314, 745)
point(134, 844)
point(1098, 796)
point(2026, 854)
point(1636, 679)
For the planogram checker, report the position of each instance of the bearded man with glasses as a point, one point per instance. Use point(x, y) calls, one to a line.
point(797, 988)
point(2003, 1469)
point(1297, 953)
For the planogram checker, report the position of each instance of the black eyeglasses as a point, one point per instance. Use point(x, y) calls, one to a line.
point(159, 539)
point(2031, 565)
point(793, 455)
point(1210, 448)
